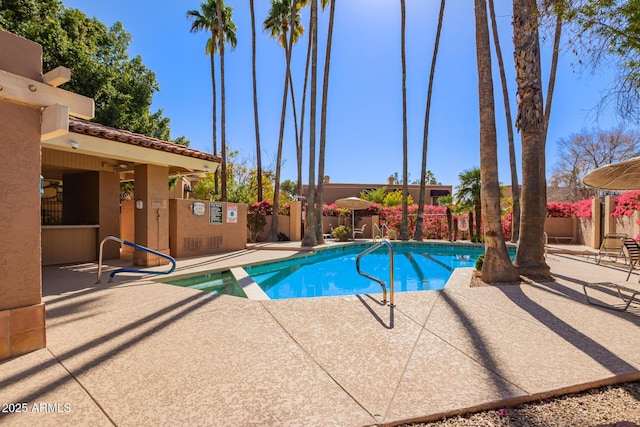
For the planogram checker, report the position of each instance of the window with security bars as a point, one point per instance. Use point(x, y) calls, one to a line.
point(51, 204)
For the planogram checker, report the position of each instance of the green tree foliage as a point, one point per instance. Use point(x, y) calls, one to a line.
point(375, 195)
point(288, 189)
point(101, 68)
point(394, 198)
point(241, 182)
point(607, 32)
point(467, 196)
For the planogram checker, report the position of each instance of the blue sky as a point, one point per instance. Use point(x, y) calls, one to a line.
point(364, 134)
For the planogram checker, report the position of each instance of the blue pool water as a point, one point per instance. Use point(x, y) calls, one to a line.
point(332, 272)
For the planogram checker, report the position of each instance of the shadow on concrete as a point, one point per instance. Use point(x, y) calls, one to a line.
point(177, 310)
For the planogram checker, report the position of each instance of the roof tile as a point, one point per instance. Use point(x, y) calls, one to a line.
point(105, 132)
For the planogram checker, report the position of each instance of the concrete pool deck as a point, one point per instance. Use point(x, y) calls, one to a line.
point(140, 353)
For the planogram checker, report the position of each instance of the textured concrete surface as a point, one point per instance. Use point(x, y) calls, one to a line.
point(135, 352)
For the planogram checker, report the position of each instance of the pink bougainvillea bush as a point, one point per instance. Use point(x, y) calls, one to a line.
point(627, 203)
point(434, 225)
point(507, 224)
point(582, 208)
point(560, 210)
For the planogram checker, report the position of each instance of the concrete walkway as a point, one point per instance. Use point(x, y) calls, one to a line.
point(139, 353)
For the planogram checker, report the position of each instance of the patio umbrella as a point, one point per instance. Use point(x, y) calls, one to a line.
point(353, 203)
point(616, 176)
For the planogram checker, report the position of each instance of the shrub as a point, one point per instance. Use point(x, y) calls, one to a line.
point(374, 195)
point(582, 208)
point(330, 210)
point(479, 262)
point(342, 233)
point(560, 210)
point(394, 198)
point(626, 204)
point(257, 218)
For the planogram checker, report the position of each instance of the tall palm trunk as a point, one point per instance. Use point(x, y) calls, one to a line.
point(515, 187)
point(300, 146)
point(295, 121)
point(309, 238)
point(552, 72)
point(404, 224)
point(529, 121)
point(223, 137)
point(323, 124)
point(425, 138)
point(255, 102)
point(215, 110)
point(283, 114)
point(497, 265)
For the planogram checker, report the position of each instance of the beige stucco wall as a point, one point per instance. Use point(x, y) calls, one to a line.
point(109, 211)
point(193, 235)
point(20, 207)
point(22, 320)
point(561, 227)
point(127, 228)
point(20, 56)
point(152, 221)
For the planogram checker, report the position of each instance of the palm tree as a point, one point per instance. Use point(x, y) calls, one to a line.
point(309, 238)
point(497, 264)
point(206, 19)
point(282, 17)
point(299, 146)
point(404, 224)
point(515, 187)
point(468, 196)
point(323, 122)
point(529, 121)
point(223, 133)
point(425, 139)
point(255, 101)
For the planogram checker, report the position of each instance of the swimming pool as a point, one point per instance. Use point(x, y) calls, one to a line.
point(332, 271)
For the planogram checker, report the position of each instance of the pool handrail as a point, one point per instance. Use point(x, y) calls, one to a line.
point(131, 270)
point(380, 231)
point(375, 279)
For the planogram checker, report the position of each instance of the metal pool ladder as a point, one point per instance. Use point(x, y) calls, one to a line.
point(129, 270)
point(380, 231)
point(375, 279)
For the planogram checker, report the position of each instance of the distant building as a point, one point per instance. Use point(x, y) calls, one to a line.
point(335, 191)
point(556, 193)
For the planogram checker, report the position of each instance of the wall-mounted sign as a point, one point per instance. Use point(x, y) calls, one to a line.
point(232, 213)
point(215, 213)
point(198, 208)
point(158, 204)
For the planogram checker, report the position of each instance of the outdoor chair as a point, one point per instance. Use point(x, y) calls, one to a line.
point(633, 249)
point(613, 247)
point(328, 235)
point(360, 231)
point(626, 291)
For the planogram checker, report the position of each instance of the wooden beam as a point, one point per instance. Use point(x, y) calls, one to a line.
point(57, 76)
point(55, 122)
point(30, 92)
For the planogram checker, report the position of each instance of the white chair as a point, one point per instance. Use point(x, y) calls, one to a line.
point(360, 231)
point(328, 235)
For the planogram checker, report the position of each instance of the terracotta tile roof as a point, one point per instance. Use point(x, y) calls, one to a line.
point(77, 125)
